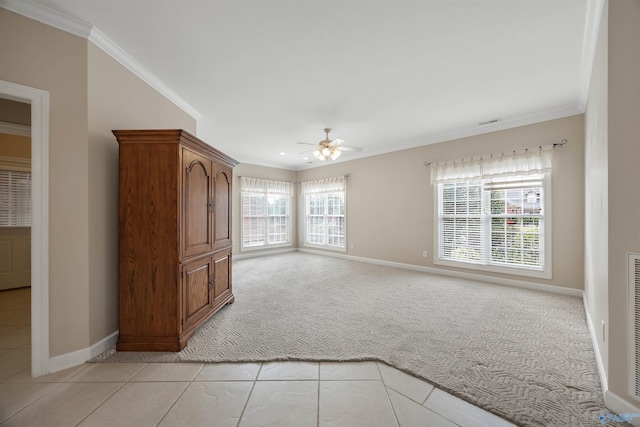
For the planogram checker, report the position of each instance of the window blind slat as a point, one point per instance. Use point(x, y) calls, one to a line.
point(15, 198)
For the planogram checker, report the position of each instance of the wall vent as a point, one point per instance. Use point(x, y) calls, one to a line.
point(634, 324)
point(488, 122)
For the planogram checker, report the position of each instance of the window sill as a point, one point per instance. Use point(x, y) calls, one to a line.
point(330, 248)
point(265, 247)
point(512, 271)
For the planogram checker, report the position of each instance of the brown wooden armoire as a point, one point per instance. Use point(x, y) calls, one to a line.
point(175, 237)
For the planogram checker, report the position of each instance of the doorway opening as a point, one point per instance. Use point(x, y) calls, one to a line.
point(39, 102)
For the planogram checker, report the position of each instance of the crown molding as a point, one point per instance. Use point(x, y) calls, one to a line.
point(503, 124)
point(14, 129)
point(48, 16)
point(509, 123)
point(89, 32)
point(99, 39)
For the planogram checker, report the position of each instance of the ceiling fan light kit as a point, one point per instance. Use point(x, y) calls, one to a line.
point(326, 153)
point(330, 149)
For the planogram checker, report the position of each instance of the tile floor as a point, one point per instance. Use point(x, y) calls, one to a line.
point(221, 394)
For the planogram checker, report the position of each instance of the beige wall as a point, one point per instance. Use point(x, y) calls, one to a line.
point(597, 195)
point(390, 204)
point(261, 172)
point(612, 206)
point(623, 176)
point(117, 100)
point(90, 94)
point(43, 57)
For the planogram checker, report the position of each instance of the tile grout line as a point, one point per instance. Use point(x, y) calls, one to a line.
point(68, 381)
point(173, 403)
point(386, 390)
point(244, 407)
point(180, 395)
point(428, 395)
point(30, 403)
point(437, 413)
point(102, 403)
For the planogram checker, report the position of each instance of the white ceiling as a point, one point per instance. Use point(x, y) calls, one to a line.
point(384, 75)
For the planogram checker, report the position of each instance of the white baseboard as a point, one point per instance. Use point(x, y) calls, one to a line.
point(458, 274)
point(596, 348)
point(622, 408)
point(78, 357)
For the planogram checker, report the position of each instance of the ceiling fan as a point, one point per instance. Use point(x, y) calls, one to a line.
point(328, 148)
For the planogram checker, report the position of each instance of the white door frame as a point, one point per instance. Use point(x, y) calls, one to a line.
point(39, 100)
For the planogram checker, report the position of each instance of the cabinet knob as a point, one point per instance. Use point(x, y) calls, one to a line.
point(211, 204)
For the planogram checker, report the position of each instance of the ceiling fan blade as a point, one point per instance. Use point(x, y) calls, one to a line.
point(337, 141)
point(305, 152)
point(344, 148)
point(305, 143)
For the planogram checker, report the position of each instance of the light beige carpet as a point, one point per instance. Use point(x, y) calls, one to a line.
point(523, 355)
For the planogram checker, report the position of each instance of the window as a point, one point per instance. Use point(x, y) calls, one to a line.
point(15, 198)
point(325, 209)
point(266, 212)
point(495, 221)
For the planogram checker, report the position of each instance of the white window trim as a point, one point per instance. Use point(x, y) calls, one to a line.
point(324, 186)
point(305, 242)
point(288, 243)
point(545, 273)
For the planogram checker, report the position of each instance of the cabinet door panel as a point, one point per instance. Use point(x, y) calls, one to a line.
point(222, 198)
point(196, 287)
point(222, 268)
point(197, 204)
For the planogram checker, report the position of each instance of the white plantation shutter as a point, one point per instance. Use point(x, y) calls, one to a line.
point(15, 198)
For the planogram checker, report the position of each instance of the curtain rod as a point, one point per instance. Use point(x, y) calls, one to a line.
point(555, 144)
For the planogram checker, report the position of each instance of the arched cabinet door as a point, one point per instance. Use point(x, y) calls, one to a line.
point(197, 204)
point(222, 210)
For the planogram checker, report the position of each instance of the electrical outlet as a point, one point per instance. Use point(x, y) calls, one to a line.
point(425, 254)
point(603, 332)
